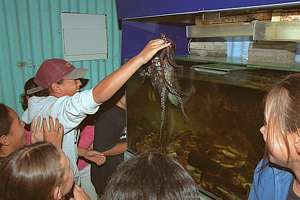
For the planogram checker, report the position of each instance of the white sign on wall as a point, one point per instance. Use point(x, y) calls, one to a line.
point(84, 36)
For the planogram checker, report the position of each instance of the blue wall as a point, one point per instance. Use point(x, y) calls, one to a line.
point(135, 36)
point(30, 31)
point(146, 8)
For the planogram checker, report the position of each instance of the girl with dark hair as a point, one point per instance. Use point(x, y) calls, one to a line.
point(37, 172)
point(11, 131)
point(277, 176)
point(151, 176)
point(32, 89)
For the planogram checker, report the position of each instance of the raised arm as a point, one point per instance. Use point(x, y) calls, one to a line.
point(112, 83)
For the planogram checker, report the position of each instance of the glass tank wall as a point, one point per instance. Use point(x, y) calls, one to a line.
point(219, 143)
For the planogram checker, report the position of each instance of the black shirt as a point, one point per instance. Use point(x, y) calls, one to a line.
point(109, 128)
point(109, 131)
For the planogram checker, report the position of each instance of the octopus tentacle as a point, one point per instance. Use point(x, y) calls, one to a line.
point(172, 88)
point(171, 57)
point(163, 99)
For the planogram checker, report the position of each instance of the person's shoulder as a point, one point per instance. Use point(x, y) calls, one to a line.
point(37, 106)
point(270, 181)
point(37, 103)
point(84, 94)
point(268, 170)
point(36, 99)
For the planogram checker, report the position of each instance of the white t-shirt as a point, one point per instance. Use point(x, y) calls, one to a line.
point(70, 111)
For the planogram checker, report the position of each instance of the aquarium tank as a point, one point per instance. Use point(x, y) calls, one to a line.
point(219, 142)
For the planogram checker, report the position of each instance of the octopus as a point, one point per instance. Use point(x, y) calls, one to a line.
point(163, 78)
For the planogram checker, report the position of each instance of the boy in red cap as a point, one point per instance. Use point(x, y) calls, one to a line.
point(70, 106)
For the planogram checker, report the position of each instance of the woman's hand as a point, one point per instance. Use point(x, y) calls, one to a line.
point(36, 131)
point(40, 131)
point(54, 132)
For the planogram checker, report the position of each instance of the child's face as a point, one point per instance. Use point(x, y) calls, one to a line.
point(70, 87)
point(16, 135)
point(280, 148)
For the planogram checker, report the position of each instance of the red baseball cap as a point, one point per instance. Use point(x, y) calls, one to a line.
point(56, 69)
